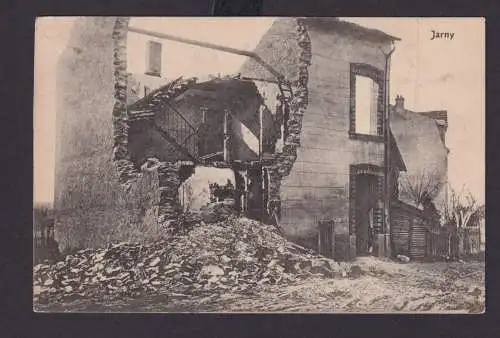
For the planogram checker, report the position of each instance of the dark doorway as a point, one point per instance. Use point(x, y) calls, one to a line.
point(326, 240)
point(211, 135)
point(240, 200)
point(365, 205)
point(255, 194)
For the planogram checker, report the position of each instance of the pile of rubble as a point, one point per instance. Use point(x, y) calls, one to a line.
point(236, 255)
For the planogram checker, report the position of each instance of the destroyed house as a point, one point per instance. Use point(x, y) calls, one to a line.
point(220, 124)
point(308, 125)
point(300, 132)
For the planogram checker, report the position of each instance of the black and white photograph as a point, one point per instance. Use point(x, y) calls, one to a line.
point(259, 165)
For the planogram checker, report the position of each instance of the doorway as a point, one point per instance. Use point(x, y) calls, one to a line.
point(365, 206)
point(257, 193)
point(254, 194)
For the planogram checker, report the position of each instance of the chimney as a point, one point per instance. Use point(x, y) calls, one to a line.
point(400, 104)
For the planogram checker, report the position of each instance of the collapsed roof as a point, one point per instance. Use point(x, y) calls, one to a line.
point(218, 94)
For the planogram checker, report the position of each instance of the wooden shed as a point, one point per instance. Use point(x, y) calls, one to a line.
point(409, 228)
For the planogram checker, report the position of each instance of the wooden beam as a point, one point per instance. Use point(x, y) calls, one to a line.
point(227, 136)
point(246, 78)
point(225, 49)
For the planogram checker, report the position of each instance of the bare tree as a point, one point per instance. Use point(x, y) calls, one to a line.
point(425, 185)
point(462, 209)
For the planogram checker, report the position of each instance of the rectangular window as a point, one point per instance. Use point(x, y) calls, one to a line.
point(366, 115)
point(366, 105)
point(153, 66)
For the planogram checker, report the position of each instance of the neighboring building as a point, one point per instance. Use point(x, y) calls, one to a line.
point(145, 65)
point(146, 55)
point(421, 137)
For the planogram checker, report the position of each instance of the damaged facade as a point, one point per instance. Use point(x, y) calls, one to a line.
point(338, 171)
point(284, 132)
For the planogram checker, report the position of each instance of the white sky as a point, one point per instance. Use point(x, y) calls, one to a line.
point(439, 74)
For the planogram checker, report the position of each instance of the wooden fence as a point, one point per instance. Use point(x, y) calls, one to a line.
point(46, 247)
point(326, 239)
point(453, 242)
point(413, 234)
point(332, 245)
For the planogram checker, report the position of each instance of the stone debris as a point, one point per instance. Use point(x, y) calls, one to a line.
point(236, 255)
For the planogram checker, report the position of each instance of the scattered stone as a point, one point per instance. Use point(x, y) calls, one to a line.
point(403, 258)
point(155, 262)
point(212, 270)
point(355, 271)
point(474, 291)
point(224, 259)
point(234, 254)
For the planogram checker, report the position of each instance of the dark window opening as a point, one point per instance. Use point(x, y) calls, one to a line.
point(154, 58)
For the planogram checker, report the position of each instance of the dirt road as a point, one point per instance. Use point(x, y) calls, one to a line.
point(380, 286)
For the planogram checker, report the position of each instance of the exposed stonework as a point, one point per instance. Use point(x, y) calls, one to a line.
point(284, 160)
point(125, 167)
point(168, 174)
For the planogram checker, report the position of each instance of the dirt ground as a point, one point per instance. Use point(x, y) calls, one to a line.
point(379, 286)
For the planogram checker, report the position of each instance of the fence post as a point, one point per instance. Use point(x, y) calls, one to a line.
point(326, 238)
point(320, 241)
point(428, 244)
point(332, 236)
point(410, 234)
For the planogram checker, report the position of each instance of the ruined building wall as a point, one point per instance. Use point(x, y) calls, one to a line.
point(318, 186)
point(99, 196)
point(315, 182)
point(287, 47)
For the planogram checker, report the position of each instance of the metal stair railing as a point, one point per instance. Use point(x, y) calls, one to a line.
point(180, 131)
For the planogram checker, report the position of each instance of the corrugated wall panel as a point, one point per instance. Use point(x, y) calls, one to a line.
point(418, 231)
point(400, 231)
